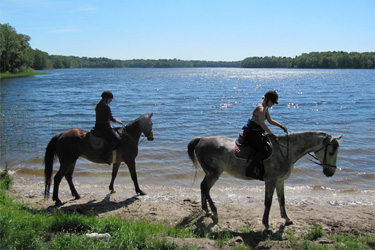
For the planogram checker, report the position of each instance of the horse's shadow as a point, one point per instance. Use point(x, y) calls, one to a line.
point(199, 222)
point(94, 207)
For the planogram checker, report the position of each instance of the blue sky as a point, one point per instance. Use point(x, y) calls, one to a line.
point(226, 30)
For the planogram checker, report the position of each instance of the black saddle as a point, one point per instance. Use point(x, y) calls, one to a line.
point(97, 139)
point(246, 152)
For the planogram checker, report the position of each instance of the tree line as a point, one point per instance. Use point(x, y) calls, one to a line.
point(315, 60)
point(18, 56)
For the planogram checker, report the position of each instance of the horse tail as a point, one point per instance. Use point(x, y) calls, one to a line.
point(191, 149)
point(49, 158)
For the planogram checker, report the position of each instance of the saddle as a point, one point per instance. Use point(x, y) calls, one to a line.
point(246, 152)
point(97, 140)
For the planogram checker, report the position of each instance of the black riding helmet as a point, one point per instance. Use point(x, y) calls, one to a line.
point(272, 96)
point(107, 94)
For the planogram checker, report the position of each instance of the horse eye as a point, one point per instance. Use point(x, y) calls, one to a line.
point(333, 151)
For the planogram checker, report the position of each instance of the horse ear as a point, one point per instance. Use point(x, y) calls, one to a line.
point(335, 139)
point(151, 115)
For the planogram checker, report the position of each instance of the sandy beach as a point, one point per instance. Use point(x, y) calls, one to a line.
point(181, 206)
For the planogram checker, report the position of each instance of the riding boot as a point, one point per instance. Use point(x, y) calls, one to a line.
point(256, 169)
point(107, 154)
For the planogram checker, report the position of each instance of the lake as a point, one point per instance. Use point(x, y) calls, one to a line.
point(193, 102)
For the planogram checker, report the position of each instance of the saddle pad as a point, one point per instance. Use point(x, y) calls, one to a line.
point(247, 152)
point(242, 152)
point(96, 142)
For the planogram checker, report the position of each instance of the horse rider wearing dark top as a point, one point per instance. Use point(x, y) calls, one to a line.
point(255, 129)
point(103, 125)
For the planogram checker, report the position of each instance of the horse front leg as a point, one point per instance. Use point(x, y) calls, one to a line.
point(270, 189)
point(115, 168)
point(133, 174)
point(281, 198)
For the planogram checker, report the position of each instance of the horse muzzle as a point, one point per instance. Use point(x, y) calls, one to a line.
point(329, 170)
point(150, 137)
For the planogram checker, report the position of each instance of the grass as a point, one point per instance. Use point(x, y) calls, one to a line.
point(22, 74)
point(25, 228)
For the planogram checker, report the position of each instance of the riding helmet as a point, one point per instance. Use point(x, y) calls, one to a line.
point(107, 94)
point(272, 95)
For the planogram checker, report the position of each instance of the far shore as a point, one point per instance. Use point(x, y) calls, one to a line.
point(22, 74)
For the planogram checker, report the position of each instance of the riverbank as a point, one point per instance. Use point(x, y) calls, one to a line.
point(239, 220)
point(22, 74)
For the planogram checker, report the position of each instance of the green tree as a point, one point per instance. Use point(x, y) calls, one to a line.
point(41, 60)
point(15, 50)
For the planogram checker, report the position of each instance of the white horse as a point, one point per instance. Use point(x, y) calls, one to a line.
point(215, 155)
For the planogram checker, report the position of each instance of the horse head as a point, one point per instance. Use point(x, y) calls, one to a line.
point(146, 126)
point(327, 155)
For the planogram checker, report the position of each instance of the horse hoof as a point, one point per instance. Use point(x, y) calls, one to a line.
point(58, 203)
point(288, 223)
point(267, 228)
point(215, 219)
point(112, 192)
point(268, 231)
point(141, 193)
point(77, 197)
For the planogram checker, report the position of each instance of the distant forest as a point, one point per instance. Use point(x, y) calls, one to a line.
point(315, 60)
point(17, 56)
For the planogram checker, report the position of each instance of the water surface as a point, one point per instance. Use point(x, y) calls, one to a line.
point(188, 103)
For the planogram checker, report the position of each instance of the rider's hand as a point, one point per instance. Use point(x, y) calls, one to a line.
point(284, 128)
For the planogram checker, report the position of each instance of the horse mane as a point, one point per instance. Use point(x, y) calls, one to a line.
point(130, 125)
point(286, 137)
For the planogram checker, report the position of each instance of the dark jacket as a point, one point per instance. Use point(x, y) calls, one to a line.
point(103, 115)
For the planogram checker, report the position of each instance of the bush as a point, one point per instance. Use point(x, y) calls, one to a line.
point(5, 179)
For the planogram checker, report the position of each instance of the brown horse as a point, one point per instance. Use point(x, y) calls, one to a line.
point(71, 144)
point(215, 154)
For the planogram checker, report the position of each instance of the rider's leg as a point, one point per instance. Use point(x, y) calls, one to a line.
point(256, 169)
point(114, 140)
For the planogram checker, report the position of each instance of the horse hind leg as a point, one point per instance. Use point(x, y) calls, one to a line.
point(56, 183)
point(69, 179)
point(63, 171)
point(206, 185)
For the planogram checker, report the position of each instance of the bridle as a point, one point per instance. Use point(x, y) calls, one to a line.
point(142, 135)
point(313, 156)
point(324, 158)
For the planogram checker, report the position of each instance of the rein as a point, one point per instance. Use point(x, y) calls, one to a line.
point(317, 162)
point(287, 147)
point(139, 142)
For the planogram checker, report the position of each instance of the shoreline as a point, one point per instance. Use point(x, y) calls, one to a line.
point(22, 74)
point(221, 192)
point(181, 207)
